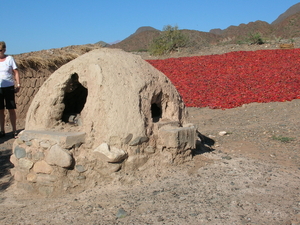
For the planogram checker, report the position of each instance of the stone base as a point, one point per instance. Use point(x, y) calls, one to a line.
point(43, 159)
point(49, 162)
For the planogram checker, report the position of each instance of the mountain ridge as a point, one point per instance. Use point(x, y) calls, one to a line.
point(287, 26)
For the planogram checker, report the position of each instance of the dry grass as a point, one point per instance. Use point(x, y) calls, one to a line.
point(36, 62)
point(52, 58)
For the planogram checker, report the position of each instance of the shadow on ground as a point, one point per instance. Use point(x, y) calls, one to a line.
point(5, 166)
point(9, 136)
point(203, 145)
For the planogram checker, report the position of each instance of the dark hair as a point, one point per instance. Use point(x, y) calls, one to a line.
point(74, 77)
point(2, 44)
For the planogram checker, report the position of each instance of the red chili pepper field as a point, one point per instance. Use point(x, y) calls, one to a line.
point(236, 78)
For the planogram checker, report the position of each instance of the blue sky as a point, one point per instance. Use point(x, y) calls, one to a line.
point(34, 25)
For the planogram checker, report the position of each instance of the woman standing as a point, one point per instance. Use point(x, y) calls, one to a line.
point(8, 75)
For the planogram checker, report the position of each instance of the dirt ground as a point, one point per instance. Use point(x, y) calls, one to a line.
point(250, 175)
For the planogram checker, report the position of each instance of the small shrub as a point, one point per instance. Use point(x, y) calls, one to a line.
point(171, 39)
point(255, 39)
point(282, 139)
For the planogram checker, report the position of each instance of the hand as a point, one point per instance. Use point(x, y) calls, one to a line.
point(17, 89)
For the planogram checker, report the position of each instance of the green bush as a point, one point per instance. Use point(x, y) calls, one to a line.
point(170, 40)
point(255, 39)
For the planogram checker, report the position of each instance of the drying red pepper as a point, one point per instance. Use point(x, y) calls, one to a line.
point(236, 78)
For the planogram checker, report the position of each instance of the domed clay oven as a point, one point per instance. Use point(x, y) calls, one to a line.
point(132, 113)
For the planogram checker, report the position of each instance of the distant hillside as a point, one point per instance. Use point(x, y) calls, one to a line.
point(241, 32)
point(286, 26)
point(199, 38)
point(291, 11)
point(142, 38)
point(142, 29)
point(137, 41)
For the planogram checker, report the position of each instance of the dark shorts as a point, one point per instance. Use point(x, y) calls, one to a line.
point(7, 98)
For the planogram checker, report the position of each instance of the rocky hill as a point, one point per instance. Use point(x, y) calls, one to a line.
point(291, 11)
point(138, 41)
point(286, 26)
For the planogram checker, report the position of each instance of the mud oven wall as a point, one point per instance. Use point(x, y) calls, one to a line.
point(133, 116)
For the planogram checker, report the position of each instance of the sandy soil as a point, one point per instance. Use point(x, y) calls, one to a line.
point(250, 175)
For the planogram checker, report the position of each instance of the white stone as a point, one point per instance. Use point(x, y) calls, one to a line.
point(222, 133)
point(113, 154)
point(59, 156)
